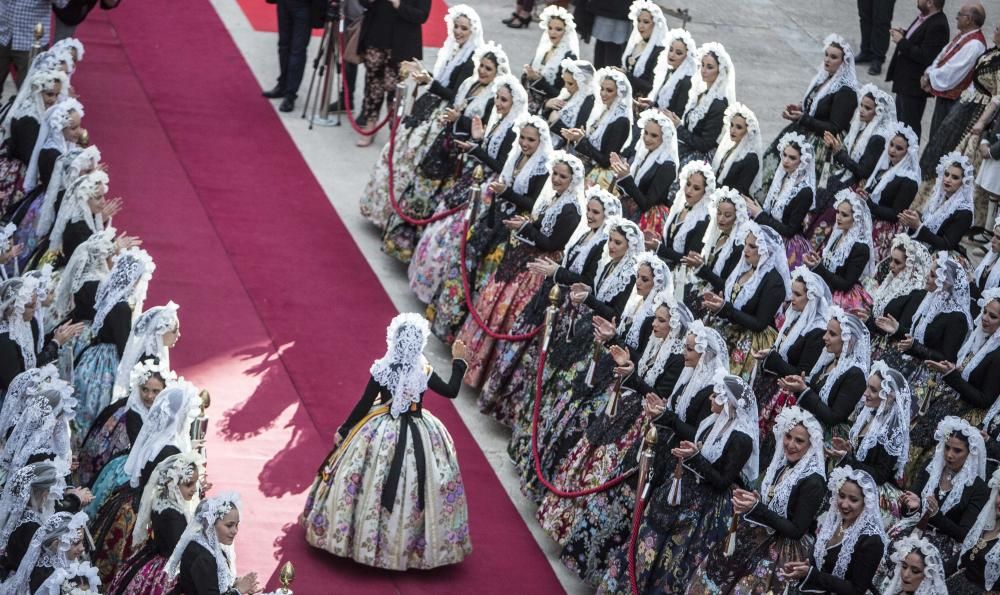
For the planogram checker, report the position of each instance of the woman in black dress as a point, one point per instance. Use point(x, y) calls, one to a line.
point(673, 74)
point(827, 106)
point(713, 90)
point(204, 561)
point(84, 211)
point(644, 46)
point(846, 262)
point(850, 540)
point(684, 229)
point(892, 185)
point(543, 78)
point(945, 498)
point(166, 508)
point(57, 543)
point(899, 294)
point(948, 214)
point(987, 273)
point(572, 107)
point(608, 129)
point(918, 568)
point(646, 181)
point(737, 160)
point(723, 250)
point(978, 567)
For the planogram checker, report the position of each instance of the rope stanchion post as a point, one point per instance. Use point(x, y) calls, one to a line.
point(642, 486)
point(550, 316)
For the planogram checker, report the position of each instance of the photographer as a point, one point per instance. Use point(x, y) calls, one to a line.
point(296, 19)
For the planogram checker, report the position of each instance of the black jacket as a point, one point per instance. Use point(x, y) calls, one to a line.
point(896, 197)
point(802, 355)
point(865, 559)
point(395, 29)
point(849, 273)
point(741, 174)
point(912, 56)
point(792, 218)
point(758, 312)
point(653, 189)
point(642, 81)
point(844, 396)
point(704, 136)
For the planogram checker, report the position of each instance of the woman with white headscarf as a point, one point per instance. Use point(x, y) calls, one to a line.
point(853, 158)
point(466, 119)
point(828, 106)
point(589, 527)
point(119, 296)
point(967, 388)
point(937, 329)
point(899, 294)
point(59, 542)
point(685, 226)
point(104, 451)
point(753, 294)
point(489, 148)
point(737, 160)
point(832, 389)
point(672, 77)
point(790, 196)
point(572, 390)
point(645, 183)
point(644, 46)
point(608, 129)
point(166, 508)
point(23, 126)
point(879, 440)
point(776, 520)
point(204, 561)
point(892, 185)
point(454, 64)
point(796, 349)
point(917, 568)
point(688, 517)
point(850, 539)
point(947, 496)
point(713, 90)
point(84, 212)
point(723, 250)
point(29, 499)
point(514, 191)
point(62, 132)
point(847, 261)
point(543, 77)
point(598, 250)
point(554, 219)
point(165, 432)
point(572, 106)
point(986, 275)
point(948, 214)
point(394, 463)
point(979, 560)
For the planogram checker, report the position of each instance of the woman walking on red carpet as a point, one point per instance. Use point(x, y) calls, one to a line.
point(390, 494)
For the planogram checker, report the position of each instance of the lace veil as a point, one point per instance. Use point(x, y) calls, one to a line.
point(146, 340)
point(869, 523)
point(404, 370)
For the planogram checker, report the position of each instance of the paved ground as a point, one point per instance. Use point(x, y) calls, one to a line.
point(776, 48)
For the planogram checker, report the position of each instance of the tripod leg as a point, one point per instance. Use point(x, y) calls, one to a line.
point(317, 63)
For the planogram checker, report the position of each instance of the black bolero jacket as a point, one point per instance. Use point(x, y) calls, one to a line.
point(793, 218)
point(848, 274)
point(868, 553)
point(742, 173)
point(844, 396)
point(758, 312)
point(704, 136)
point(802, 355)
point(654, 186)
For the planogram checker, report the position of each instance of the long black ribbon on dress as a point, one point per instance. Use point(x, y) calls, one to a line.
point(406, 425)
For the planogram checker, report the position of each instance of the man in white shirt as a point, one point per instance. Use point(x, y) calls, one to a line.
point(951, 71)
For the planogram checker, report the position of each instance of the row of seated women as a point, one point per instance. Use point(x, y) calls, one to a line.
point(104, 488)
point(799, 337)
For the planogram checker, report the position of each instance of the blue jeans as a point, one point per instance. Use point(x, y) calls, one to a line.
point(294, 31)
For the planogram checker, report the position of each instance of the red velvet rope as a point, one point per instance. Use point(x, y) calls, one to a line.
point(346, 96)
point(392, 188)
point(472, 307)
point(534, 447)
point(632, 541)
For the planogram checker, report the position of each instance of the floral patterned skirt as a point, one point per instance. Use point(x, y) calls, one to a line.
point(142, 574)
point(344, 509)
point(654, 219)
point(753, 567)
point(499, 305)
point(112, 531)
point(93, 383)
point(796, 250)
point(673, 541)
point(435, 254)
point(855, 298)
point(742, 345)
point(592, 463)
point(11, 176)
point(107, 439)
point(882, 234)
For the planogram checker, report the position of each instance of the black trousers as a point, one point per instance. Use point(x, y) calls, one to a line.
point(876, 18)
point(607, 53)
point(942, 107)
point(910, 110)
point(294, 30)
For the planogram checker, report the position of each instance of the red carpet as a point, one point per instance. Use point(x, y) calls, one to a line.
point(262, 17)
point(281, 315)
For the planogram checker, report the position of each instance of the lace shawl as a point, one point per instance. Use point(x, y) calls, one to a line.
point(700, 209)
point(736, 234)
point(813, 316)
point(15, 295)
point(201, 531)
point(656, 36)
point(404, 370)
point(452, 55)
point(889, 423)
point(909, 279)
point(569, 44)
point(974, 466)
point(640, 308)
point(941, 206)
point(812, 462)
point(908, 166)
point(726, 155)
point(665, 78)
point(583, 73)
point(828, 84)
point(537, 162)
point(168, 424)
point(780, 194)
point(146, 340)
point(549, 205)
point(771, 249)
point(951, 295)
point(713, 361)
point(603, 115)
point(739, 414)
point(837, 249)
point(658, 351)
point(869, 523)
point(576, 257)
point(498, 124)
point(701, 96)
point(881, 123)
point(645, 159)
point(934, 579)
point(855, 353)
point(616, 276)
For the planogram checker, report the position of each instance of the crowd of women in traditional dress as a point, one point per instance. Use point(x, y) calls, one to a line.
point(104, 485)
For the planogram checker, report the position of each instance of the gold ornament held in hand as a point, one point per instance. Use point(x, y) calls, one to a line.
point(39, 31)
point(286, 575)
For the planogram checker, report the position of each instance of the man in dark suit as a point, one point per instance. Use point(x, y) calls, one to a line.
point(296, 19)
point(916, 48)
point(875, 17)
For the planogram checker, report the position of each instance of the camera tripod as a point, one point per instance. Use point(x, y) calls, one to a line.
point(326, 70)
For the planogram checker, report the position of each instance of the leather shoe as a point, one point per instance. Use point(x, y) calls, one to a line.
point(862, 59)
point(287, 104)
point(875, 69)
point(274, 93)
